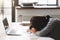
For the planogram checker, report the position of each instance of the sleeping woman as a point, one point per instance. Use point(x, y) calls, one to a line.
point(37, 23)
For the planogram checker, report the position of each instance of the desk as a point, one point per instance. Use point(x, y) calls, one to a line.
point(24, 35)
point(24, 38)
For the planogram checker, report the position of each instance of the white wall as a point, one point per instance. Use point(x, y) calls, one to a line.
point(7, 9)
point(27, 13)
point(38, 11)
point(0, 5)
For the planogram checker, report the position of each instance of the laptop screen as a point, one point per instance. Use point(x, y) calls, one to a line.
point(5, 23)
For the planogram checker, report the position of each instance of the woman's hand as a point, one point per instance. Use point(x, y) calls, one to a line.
point(32, 30)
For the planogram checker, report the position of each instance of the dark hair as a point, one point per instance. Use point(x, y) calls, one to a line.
point(48, 17)
point(38, 22)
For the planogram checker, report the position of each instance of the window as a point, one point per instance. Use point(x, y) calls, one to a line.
point(40, 3)
point(48, 2)
point(27, 1)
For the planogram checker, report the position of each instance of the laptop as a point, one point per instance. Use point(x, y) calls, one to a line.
point(8, 30)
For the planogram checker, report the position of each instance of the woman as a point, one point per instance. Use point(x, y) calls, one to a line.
point(37, 23)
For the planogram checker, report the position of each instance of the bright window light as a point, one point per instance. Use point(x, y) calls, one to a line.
point(42, 2)
point(51, 1)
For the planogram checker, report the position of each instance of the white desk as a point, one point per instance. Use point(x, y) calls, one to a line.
point(24, 35)
point(24, 38)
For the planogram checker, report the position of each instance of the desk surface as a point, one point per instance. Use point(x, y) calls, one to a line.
point(24, 38)
point(24, 35)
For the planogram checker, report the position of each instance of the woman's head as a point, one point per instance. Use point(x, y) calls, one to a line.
point(38, 22)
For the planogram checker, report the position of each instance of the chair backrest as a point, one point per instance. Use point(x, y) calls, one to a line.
point(52, 30)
